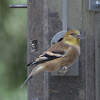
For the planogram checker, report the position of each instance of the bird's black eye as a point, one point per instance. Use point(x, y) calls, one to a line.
point(72, 34)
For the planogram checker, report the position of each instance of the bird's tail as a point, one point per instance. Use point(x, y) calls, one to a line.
point(36, 70)
point(26, 81)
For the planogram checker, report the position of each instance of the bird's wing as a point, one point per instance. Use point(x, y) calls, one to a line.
point(57, 50)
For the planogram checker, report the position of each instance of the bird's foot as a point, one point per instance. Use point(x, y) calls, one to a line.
point(63, 70)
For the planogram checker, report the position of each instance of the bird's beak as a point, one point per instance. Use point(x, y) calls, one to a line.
point(80, 36)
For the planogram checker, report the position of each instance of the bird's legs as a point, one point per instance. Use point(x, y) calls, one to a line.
point(63, 70)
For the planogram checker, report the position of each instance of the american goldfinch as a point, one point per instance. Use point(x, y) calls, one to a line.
point(58, 57)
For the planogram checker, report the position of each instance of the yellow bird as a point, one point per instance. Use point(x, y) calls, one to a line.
point(58, 57)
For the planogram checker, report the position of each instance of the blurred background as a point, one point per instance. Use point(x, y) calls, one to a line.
point(13, 32)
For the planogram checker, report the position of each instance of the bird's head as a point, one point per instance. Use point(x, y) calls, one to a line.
point(73, 37)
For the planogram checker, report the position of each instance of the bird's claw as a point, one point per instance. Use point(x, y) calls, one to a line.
point(63, 70)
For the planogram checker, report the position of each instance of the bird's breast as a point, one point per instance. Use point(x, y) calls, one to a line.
point(77, 48)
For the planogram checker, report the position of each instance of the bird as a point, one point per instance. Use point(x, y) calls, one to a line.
point(59, 57)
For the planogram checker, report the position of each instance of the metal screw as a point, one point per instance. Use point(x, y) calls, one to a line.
point(34, 46)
